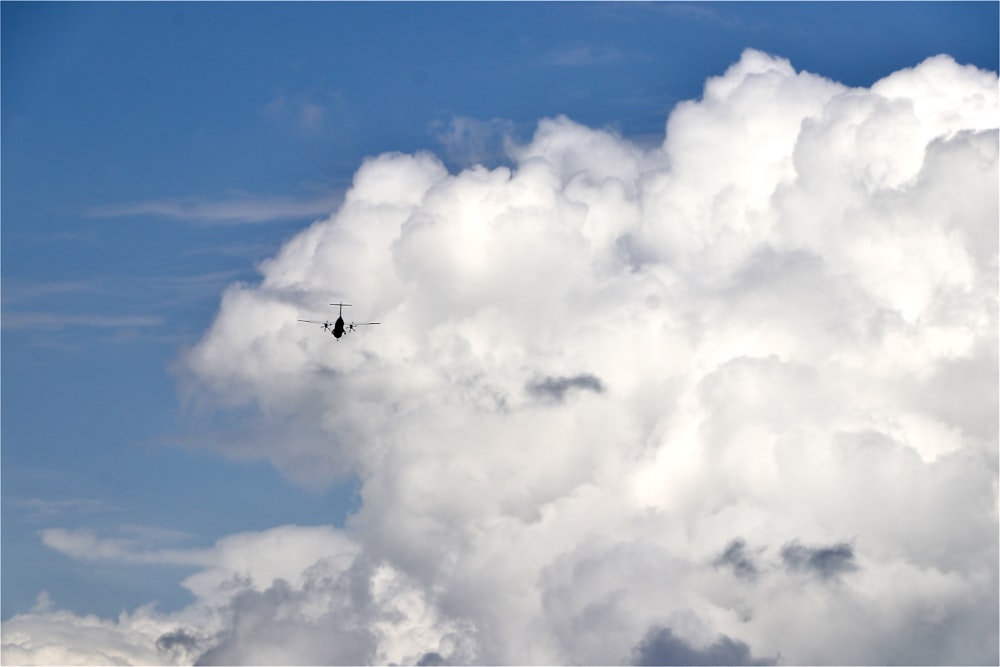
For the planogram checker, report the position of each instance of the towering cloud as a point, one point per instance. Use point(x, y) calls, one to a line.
point(629, 404)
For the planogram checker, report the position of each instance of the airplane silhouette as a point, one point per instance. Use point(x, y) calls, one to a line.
point(338, 328)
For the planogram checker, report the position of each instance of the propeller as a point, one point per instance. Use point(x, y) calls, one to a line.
point(326, 325)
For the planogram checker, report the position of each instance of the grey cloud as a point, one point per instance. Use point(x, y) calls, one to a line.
point(970, 400)
point(270, 627)
point(431, 659)
point(557, 387)
point(661, 646)
point(826, 561)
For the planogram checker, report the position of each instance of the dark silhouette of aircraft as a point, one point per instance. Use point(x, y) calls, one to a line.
point(338, 328)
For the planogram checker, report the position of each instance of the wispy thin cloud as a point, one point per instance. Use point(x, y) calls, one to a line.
point(42, 508)
point(581, 56)
point(706, 14)
point(131, 548)
point(56, 321)
point(302, 111)
point(80, 236)
point(13, 292)
point(169, 288)
point(251, 250)
point(239, 210)
point(470, 141)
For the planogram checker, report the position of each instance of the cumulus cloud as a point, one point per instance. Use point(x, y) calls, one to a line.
point(770, 349)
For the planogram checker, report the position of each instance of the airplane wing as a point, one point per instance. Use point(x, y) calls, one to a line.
point(352, 325)
point(326, 325)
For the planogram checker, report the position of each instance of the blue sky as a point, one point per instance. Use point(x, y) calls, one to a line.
point(154, 153)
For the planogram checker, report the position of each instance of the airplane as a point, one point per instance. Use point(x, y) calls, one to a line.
point(337, 328)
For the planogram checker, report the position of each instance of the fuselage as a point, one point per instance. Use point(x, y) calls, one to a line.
point(338, 328)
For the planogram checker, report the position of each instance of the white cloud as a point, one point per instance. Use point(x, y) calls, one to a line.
point(785, 317)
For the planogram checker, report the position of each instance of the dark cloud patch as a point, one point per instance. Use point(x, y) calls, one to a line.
point(431, 659)
point(177, 641)
point(556, 388)
point(828, 562)
point(661, 647)
point(737, 557)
